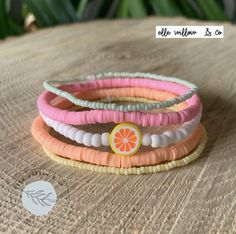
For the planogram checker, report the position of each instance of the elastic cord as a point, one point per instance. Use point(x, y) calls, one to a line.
point(133, 170)
point(106, 116)
point(40, 131)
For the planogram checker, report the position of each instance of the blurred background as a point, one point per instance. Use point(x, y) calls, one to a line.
point(21, 16)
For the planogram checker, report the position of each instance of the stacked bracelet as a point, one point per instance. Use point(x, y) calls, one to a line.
point(107, 116)
point(89, 155)
point(133, 170)
point(102, 139)
point(185, 88)
point(170, 104)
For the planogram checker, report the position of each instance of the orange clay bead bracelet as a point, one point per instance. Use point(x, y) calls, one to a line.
point(40, 132)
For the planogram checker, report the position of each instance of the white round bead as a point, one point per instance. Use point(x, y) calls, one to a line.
point(146, 139)
point(179, 136)
point(96, 140)
point(194, 124)
point(170, 135)
point(185, 132)
point(155, 141)
point(53, 124)
point(105, 138)
point(65, 129)
point(87, 138)
point(188, 126)
point(71, 133)
point(61, 128)
point(58, 126)
point(79, 136)
point(164, 140)
point(48, 121)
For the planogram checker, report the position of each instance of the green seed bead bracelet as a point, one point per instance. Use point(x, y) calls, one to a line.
point(183, 88)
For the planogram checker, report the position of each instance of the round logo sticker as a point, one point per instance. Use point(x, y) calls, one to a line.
point(40, 197)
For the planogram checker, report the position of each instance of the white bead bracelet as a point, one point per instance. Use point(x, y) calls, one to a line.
point(96, 140)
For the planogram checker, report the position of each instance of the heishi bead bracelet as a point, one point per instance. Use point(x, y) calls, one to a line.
point(108, 80)
point(106, 116)
point(135, 102)
point(41, 134)
point(133, 170)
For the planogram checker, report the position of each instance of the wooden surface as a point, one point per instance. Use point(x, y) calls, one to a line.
point(198, 198)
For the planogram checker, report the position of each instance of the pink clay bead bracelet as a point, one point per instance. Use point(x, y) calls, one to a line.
point(106, 116)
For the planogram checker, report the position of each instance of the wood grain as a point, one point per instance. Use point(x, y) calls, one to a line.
point(198, 198)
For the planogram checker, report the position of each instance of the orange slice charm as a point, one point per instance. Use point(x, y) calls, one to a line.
point(125, 139)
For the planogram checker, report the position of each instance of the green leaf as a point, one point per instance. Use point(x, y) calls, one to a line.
point(81, 8)
point(14, 29)
point(217, 10)
point(234, 17)
point(106, 8)
point(75, 3)
point(7, 25)
point(212, 10)
point(52, 12)
point(123, 9)
point(69, 9)
point(112, 9)
point(93, 9)
point(3, 19)
point(137, 9)
point(15, 11)
point(25, 10)
point(207, 12)
point(165, 7)
point(187, 9)
point(40, 12)
point(58, 11)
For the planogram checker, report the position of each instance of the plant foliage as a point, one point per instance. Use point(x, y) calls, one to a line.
point(54, 12)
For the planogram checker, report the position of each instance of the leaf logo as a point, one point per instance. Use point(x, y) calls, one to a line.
point(39, 197)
